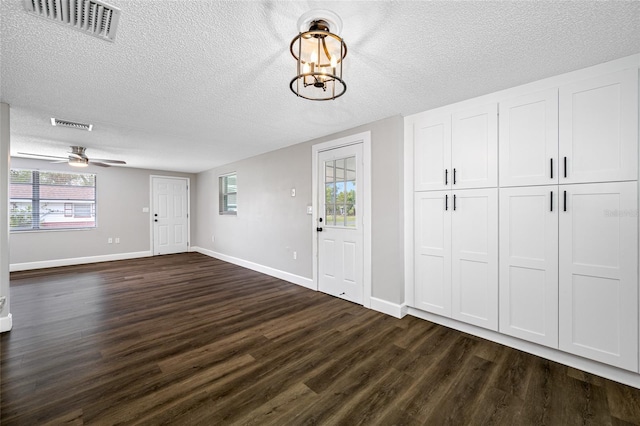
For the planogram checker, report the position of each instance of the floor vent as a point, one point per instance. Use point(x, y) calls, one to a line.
point(89, 16)
point(72, 124)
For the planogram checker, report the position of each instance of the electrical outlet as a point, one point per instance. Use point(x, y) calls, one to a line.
point(117, 240)
point(110, 240)
point(295, 255)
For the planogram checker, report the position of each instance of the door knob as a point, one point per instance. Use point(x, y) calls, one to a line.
point(319, 229)
point(155, 220)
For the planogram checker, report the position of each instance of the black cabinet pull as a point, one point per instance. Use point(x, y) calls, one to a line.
point(446, 202)
point(446, 176)
point(454, 177)
point(454, 200)
point(319, 229)
point(551, 201)
point(565, 201)
point(565, 166)
point(551, 161)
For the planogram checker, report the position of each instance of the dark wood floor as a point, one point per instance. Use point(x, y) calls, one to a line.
point(186, 339)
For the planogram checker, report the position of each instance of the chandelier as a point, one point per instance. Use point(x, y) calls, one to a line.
point(319, 54)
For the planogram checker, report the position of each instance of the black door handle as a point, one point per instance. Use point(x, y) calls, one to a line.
point(156, 215)
point(551, 201)
point(446, 202)
point(565, 166)
point(551, 160)
point(319, 229)
point(155, 220)
point(454, 177)
point(446, 176)
point(454, 201)
point(565, 201)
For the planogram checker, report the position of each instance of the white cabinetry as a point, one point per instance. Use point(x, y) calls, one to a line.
point(474, 147)
point(456, 151)
point(599, 129)
point(474, 248)
point(529, 139)
point(599, 272)
point(566, 233)
point(432, 152)
point(433, 252)
point(456, 255)
point(529, 263)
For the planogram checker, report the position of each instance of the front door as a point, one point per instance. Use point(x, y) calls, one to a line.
point(170, 215)
point(340, 224)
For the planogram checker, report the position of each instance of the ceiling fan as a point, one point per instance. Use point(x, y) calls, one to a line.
point(78, 158)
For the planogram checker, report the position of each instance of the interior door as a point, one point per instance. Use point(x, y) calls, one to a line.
point(170, 215)
point(340, 224)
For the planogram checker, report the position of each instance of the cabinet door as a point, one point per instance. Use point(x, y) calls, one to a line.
point(528, 139)
point(599, 129)
point(474, 147)
point(474, 254)
point(432, 152)
point(433, 252)
point(599, 272)
point(529, 263)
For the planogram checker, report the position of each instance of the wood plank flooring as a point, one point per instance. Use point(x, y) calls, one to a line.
point(188, 340)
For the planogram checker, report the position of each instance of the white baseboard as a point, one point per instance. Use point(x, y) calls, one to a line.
point(613, 373)
point(6, 323)
point(267, 270)
point(393, 309)
point(77, 261)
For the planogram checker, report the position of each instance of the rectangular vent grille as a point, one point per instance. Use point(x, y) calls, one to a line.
point(72, 124)
point(89, 16)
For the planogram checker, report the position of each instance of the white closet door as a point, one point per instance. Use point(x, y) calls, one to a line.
point(474, 147)
point(599, 129)
point(599, 272)
point(433, 252)
point(529, 139)
point(529, 263)
point(474, 254)
point(432, 152)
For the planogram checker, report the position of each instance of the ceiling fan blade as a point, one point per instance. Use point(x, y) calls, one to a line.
point(42, 155)
point(98, 163)
point(102, 160)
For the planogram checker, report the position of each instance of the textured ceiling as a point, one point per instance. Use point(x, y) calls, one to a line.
point(190, 85)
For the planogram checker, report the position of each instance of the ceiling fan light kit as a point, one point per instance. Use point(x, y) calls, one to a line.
point(78, 158)
point(319, 55)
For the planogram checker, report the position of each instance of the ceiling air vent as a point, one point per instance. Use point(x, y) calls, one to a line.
point(89, 16)
point(72, 124)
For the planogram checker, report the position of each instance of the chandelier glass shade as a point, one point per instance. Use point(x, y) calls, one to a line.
point(319, 56)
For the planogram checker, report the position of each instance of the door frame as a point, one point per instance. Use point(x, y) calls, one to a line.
point(150, 212)
point(365, 139)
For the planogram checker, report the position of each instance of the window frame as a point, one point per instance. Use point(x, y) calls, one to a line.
point(39, 200)
point(223, 194)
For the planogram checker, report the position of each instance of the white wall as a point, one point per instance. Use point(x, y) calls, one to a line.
point(271, 224)
point(5, 316)
point(121, 195)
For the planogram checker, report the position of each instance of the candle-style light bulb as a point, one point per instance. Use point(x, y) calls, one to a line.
point(334, 64)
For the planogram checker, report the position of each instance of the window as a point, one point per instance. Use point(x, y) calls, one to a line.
point(228, 193)
point(340, 192)
point(40, 200)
